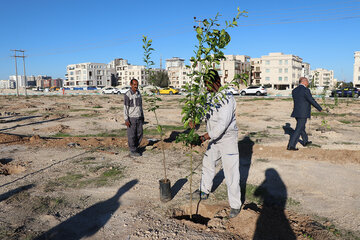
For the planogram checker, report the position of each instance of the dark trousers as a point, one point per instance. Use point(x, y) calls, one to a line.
point(135, 133)
point(299, 131)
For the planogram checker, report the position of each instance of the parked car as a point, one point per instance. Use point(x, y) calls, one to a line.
point(254, 90)
point(346, 92)
point(233, 91)
point(168, 90)
point(124, 90)
point(110, 90)
point(38, 89)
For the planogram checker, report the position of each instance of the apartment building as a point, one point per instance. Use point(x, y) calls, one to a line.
point(305, 71)
point(356, 76)
point(89, 75)
point(40, 79)
point(323, 78)
point(126, 71)
point(231, 66)
point(30, 80)
point(255, 76)
point(281, 71)
point(177, 71)
point(7, 84)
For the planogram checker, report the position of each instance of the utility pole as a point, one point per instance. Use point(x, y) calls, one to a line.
point(160, 62)
point(23, 56)
point(17, 81)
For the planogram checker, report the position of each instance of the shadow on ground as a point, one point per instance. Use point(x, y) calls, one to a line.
point(272, 222)
point(89, 221)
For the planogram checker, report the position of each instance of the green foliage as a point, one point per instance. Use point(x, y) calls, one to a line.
point(160, 78)
point(211, 41)
point(152, 100)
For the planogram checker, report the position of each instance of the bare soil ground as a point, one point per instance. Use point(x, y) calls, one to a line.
point(66, 173)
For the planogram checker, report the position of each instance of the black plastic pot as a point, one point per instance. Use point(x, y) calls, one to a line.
point(165, 190)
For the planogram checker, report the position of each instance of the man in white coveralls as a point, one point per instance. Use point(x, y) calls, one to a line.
point(222, 134)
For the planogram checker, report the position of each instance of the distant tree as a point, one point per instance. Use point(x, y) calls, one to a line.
point(343, 84)
point(160, 78)
point(114, 80)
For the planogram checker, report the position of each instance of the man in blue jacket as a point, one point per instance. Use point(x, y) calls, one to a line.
point(302, 111)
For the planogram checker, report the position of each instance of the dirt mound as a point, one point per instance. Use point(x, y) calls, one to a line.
point(8, 138)
point(8, 169)
point(253, 222)
point(58, 129)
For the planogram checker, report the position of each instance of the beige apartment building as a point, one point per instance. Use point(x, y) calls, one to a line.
point(125, 72)
point(356, 77)
point(177, 71)
point(281, 71)
point(255, 75)
point(231, 66)
point(88, 75)
point(323, 78)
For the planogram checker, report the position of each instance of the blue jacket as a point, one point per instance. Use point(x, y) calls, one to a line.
point(302, 102)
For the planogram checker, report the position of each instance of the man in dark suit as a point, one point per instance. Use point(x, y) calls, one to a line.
point(302, 111)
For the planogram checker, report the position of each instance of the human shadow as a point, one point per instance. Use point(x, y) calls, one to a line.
point(89, 221)
point(245, 156)
point(174, 135)
point(177, 186)
point(218, 179)
point(151, 142)
point(29, 124)
point(288, 129)
point(272, 222)
point(10, 193)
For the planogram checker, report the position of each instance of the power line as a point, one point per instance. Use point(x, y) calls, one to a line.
point(302, 21)
point(307, 7)
point(317, 12)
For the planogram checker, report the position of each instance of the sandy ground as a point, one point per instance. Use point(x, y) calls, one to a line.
point(57, 154)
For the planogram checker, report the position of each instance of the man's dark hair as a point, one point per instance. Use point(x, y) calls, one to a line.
point(132, 80)
point(212, 76)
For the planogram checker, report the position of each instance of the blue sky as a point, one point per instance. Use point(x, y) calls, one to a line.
point(56, 33)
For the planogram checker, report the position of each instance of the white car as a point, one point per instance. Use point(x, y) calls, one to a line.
point(253, 90)
point(124, 90)
point(110, 90)
point(233, 91)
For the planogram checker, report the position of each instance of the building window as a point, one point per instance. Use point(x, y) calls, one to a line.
point(280, 78)
point(285, 70)
point(267, 62)
point(280, 70)
point(285, 78)
point(267, 78)
point(267, 70)
point(286, 62)
point(280, 62)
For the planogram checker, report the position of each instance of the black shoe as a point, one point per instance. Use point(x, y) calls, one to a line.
point(234, 212)
point(292, 148)
point(307, 143)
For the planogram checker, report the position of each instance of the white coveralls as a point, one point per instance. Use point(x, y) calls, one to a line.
point(222, 129)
